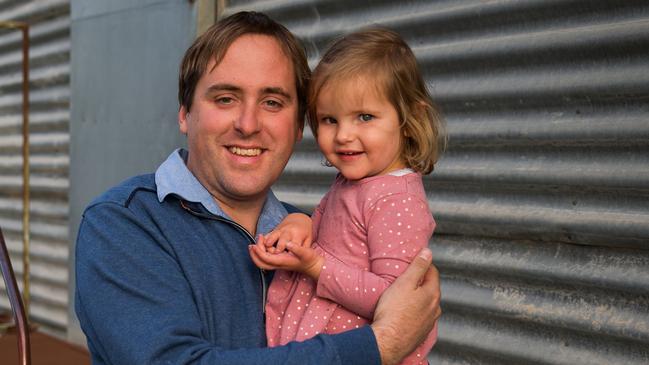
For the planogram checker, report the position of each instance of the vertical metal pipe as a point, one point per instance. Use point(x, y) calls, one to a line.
point(26, 197)
point(24, 27)
point(20, 318)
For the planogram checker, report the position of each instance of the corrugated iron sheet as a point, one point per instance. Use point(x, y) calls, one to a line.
point(49, 118)
point(542, 199)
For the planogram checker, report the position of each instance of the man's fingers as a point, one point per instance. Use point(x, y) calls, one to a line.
point(431, 282)
point(418, 269)
point(431, 278)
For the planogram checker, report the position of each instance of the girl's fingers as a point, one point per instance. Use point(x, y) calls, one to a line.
point(277, 239)
point(261, 241)
point(280, 260)
point(257, 259)
point(297, 250)
point(272, 237)
point(261, 244)
point(281, 244)
point(307, 242)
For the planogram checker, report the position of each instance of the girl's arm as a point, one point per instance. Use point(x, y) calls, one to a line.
point(399, 226)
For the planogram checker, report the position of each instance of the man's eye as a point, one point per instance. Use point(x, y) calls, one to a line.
point(273, 103)
point(365, 117)
point(224, 100)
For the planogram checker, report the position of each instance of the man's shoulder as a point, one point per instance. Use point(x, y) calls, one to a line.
point(122, 193)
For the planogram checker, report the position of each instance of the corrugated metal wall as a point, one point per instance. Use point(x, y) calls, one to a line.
point(542, 199)
point(49, 117)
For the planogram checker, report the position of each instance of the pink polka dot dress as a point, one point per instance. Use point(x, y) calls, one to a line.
point(368, 230)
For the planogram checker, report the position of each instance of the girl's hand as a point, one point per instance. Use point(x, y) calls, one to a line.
point(298, 258)
point(296, 228)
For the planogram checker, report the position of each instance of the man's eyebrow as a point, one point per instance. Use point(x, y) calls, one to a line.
point(278, 91)
point(222, 87)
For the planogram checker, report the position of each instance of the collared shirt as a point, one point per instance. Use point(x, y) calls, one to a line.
point(173, 177)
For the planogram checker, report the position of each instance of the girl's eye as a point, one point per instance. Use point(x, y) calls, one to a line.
point(328, 120)
point(365, 117)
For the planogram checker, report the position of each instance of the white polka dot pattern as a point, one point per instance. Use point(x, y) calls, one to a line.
point(368, 231)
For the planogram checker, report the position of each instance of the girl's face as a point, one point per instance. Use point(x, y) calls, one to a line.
point(358, 129)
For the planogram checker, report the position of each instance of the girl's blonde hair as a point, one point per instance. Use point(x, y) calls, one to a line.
point(381, 54)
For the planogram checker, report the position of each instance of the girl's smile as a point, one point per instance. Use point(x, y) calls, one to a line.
point(358, 129)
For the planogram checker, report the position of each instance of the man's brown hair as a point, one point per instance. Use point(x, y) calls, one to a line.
point(214, 43)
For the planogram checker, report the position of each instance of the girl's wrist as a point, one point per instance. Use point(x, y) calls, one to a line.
point(313, 270)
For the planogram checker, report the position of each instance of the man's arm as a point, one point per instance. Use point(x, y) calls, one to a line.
point(128, 324)
point(408, 309)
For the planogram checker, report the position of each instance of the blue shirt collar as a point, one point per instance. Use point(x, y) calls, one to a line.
point(173, 177)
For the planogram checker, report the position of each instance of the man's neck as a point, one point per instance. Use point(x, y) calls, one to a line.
point(244, 213)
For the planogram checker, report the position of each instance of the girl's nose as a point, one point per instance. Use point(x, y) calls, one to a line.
point(248, 122)
point(345, 133)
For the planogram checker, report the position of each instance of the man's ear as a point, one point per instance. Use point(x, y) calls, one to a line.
point(183, 116)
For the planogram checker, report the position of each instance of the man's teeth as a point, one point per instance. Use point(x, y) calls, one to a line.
point(245, 151)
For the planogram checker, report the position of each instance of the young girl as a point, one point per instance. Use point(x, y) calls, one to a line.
point(375, 122)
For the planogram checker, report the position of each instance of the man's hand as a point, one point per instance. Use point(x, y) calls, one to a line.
point(407, 310)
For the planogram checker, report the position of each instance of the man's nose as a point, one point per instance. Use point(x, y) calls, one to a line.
point(248, 122)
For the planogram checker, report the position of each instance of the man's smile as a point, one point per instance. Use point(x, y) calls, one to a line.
point(240, 151)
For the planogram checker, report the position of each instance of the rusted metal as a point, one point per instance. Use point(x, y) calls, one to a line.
point(24, 27)
point(20, 317)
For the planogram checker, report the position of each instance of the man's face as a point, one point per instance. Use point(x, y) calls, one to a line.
point(242, 125)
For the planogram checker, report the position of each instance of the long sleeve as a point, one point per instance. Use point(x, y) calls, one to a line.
point(316, 217)
point(398, 226)
point(137, 305)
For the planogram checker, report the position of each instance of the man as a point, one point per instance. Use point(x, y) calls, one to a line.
point(163, 271)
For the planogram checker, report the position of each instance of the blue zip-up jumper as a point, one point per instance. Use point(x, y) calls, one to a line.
point(169, 282)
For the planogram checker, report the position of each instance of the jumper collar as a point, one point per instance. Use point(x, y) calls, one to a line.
point(173, 177)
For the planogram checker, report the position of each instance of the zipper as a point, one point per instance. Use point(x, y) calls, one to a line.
point(262, 272)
